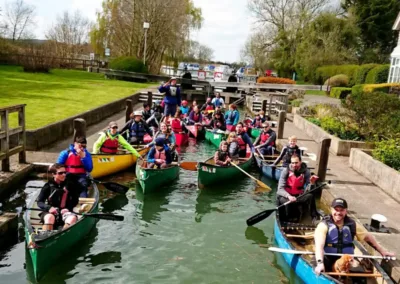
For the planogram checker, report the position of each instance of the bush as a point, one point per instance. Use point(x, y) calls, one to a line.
point(338, 128)
point(340, 80)
point(378, 74)
point(380, 87)
point(340, 93)
point(361, 73)
point(388, 152)
point(126, 63)
point(38, 59)
point(325, 72)
point(357, 90)
point(295, 103)
point(275, 80)
point(314, 120)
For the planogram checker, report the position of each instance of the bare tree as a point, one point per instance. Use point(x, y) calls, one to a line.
point(18, 19)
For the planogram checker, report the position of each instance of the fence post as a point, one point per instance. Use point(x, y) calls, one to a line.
point(128, 110)
point(79, 127)
point(322, 158)
point(150, 98)
point(21, 122)
point(5, 163)
point(281, 124)
point(271, 96)
point(264, 106)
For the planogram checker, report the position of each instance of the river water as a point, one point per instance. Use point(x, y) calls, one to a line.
point(179, 235)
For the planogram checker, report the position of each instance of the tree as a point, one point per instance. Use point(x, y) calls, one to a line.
point(18, 20)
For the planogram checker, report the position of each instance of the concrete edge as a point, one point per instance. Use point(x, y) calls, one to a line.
point(15, 179)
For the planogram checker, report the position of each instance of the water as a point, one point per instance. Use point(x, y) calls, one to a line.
point(178, 235)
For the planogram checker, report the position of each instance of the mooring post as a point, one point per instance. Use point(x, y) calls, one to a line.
point(129, 110)
point(150, 98)
point(79, 127)
point(322, 158)
point(264, 106)
point(281, 123)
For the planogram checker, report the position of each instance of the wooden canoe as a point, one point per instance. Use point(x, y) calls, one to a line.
point(106, 164)
point(302, 264)
point(151, 180)
point(215, 138)
point(45, 250)
point(209, 173)
point(272, 172)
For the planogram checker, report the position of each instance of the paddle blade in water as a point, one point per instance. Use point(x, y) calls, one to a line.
point(110, 217)
point(259, 217)
point(189, 166)
point(115, 187)
point(263, 185)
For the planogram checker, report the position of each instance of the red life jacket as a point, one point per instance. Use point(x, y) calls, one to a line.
point(264, 138)
point(209, 107)
point(196, 117)
point(160, 155)
point(176, 125)
point(295, 185)
point(242, 144)
point(74, 165)
point(110, 146)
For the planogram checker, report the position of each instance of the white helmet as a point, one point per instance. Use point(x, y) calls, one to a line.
point(137, 113)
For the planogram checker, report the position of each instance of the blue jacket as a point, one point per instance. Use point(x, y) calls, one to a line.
point(232, 117)
point(87, 161)
point(185, 110)
point(152, 153)
point(169, 98)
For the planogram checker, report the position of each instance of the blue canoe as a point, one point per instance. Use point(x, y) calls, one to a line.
point(269, 171)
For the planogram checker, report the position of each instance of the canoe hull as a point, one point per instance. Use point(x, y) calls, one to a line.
point(208, 174)
point(215, 138)
point(151, 180)
point(270, 172)
point(104, 164)
point(182, 139)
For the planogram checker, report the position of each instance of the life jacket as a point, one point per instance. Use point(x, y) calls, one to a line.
point(222, 156)
point(295, 185)
point(264, 138)
point(340, 241)
point(110, 145)
point(59, 196)
point(209, 107)
point(160, 155)
point(137, 129)
point(258, 123)
point(196, 117)
point(73, 164)
point(146, 114)
point(176, 125)
point(233, 148)
point(242, 144)
point(290, 152)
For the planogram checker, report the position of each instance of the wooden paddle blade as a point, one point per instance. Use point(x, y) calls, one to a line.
point(259, 217)
point(263, 185)
point(115, 187)
point(189, 166)
point(110, 217)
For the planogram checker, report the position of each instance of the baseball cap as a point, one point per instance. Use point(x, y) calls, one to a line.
point(339, 202)
point(112, 124)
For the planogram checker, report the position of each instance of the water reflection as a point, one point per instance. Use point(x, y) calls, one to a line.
point(256, 235)
point(116, 202)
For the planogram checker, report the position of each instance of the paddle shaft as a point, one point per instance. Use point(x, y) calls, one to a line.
point(243, 171)
point(93, 215)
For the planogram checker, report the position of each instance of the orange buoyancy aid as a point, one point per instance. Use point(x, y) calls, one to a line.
point(242, 144)
point(110, 146)
point(264, 137)
point(74, 165)
point(176, 125)
point(160, 155)
point(295, 185)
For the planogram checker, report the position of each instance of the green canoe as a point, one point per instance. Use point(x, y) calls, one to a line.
point(215, 138)
point(208, 173)
point(46, 249)
point(153, 179)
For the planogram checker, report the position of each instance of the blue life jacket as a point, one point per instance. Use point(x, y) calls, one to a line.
point(137, 129)
point(340, 241)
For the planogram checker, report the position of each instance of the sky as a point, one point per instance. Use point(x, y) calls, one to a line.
point(225, 28)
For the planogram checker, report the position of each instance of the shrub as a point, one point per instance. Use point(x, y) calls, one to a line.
point(126, 63)
point(378, 74)
point(357, 90)
point(296, 103)
point(325, 72)
point(369, 88)
point(275, 80)
point(338, 128)
point(340, 80)
point(388, 152)
point(340, 93)
point(361, 73)
point(38, 59)
point(314, 120)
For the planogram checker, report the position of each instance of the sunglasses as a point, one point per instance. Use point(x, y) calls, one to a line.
point(61, 173)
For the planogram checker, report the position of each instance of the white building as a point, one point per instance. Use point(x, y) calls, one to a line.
point(394, 74)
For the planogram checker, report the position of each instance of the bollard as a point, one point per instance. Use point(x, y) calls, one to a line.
point(281, 123)
point(79, 127)
point(129, 110)
point(322, 158)
point(150, 98)
point(264, 106)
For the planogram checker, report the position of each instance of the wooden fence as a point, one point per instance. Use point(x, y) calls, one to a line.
point(8, 144)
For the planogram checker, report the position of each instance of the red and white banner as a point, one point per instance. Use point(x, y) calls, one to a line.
point(201, 75)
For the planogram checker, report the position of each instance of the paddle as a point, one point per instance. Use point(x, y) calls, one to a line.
point(103, 216)
point(266, 213)
point(290, 251)
point(189, 166)
point(259, 154)
point(259, 182)
point(113, 186)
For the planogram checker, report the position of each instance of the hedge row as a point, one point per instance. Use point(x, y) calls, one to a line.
point(357, 74)
point(275, 80)
point(342, 93)
point(126, 63)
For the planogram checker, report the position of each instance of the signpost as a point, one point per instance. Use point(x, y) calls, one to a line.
point(201, 75)
point(146, 26)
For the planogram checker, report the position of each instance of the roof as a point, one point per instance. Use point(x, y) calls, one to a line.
point(396, 25)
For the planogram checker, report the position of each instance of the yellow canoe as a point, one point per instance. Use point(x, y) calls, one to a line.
point(108, 164)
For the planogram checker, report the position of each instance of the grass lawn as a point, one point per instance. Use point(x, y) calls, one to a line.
point(315, 92)
point(59, 94)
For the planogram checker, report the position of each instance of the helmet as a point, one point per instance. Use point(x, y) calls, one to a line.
point(184, 103)
point(135, 113)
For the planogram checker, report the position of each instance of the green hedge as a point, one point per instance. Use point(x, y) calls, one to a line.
point(378, 74)
point(340, 92)
point(325, 72)
point(126, 63)
point(388, 152)
point(357, 90)
point(362, 72)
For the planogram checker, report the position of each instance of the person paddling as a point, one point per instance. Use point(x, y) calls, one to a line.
point(221, 156)
point(266, 141)
point(159, 155)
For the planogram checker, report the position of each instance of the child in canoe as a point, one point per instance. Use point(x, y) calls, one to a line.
point(288, 151)
point(233, 146)
point(221, 157)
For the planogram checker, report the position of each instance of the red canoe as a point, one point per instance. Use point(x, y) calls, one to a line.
point(181, 138)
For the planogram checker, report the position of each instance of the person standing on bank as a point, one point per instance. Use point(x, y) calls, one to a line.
point(172, 96)
point(78, 161)
point(218, 101)
point(336, 234)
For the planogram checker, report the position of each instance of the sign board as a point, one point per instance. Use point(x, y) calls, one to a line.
point(201, 75)
point(107, 52)
point(146, 25)
point(91, 56)
point(218, 75)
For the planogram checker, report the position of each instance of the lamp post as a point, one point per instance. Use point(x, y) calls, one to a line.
point(146, 26)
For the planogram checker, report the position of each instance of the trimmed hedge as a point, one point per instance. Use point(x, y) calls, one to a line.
point(370, 88)
point(378, 74)
point(340, 80)
point(340, 93)
point(325, 72)
point(362, 72)
point(126, 63)
point(275, 80)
